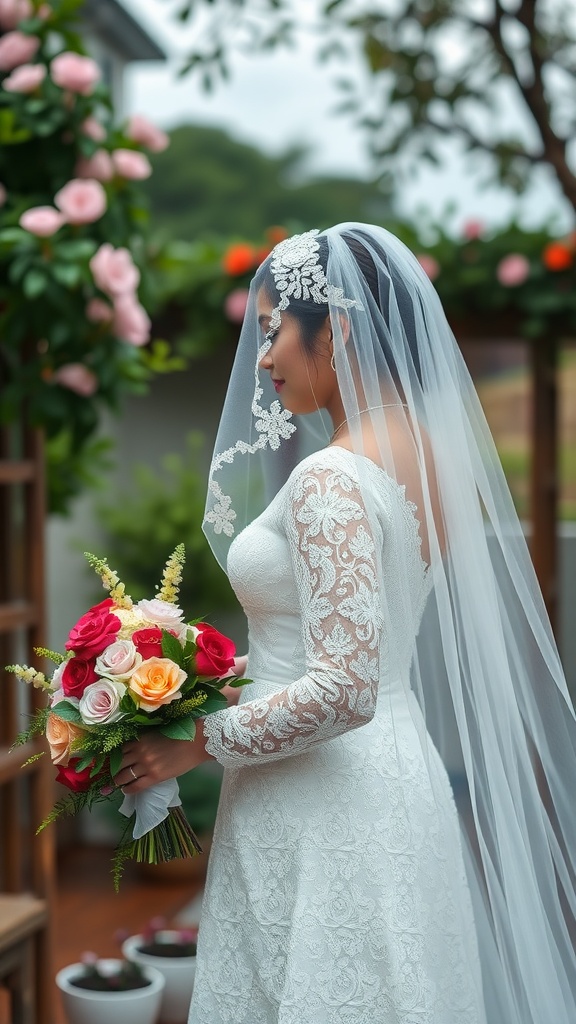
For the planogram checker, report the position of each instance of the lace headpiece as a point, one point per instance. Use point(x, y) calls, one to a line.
point(298, 274)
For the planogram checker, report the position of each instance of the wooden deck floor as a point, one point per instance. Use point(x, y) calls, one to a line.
point(88, 912)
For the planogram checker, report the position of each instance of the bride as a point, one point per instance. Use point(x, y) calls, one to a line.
point(396, 635)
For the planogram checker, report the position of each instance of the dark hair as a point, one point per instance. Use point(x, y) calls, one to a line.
point(311, 316)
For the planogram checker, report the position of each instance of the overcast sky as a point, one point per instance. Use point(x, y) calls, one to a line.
point(285, 98)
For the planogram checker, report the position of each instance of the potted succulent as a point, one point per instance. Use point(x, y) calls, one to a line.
point(173, 953)
point(99, 991)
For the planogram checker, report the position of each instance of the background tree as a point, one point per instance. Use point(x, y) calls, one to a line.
point(438, 68)
point(208, 183)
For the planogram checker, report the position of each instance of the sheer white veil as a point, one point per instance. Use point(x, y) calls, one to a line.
point(485, 670)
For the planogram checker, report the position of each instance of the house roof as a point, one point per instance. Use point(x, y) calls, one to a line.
point(120, 30)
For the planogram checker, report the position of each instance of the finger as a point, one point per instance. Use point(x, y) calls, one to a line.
point(127, 775)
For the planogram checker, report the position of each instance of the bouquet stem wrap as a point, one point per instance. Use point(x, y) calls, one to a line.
point(151, 807)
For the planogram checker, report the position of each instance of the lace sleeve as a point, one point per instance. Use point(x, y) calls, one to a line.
point(333, 560)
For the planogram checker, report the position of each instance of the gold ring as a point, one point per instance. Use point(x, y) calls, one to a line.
point(130, 769)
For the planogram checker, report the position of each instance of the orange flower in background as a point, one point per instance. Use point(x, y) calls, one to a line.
point(557, 256)
point(276, 234)
point(239, 258)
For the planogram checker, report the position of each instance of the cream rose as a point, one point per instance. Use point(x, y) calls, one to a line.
point(118, 661)
point(163, 614)
point(60, 736)
point(156, 682)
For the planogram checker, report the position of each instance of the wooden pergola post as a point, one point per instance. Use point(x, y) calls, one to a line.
point(544, 470)
point(544, 446)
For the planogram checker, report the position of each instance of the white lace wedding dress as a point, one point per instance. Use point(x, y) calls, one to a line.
point(336, 892)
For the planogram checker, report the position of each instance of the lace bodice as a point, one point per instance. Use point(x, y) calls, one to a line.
point(309, 573)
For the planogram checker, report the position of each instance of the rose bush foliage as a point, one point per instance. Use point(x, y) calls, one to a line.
point(75, 283)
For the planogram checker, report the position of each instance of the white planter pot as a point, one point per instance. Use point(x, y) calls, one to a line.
point(137, 1006)
point(178, 972)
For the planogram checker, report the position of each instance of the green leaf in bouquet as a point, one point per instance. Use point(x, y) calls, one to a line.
point(238, 682)
point(181, 729)
point(67, 712)
point(128, 704)
point(115, 760)
point(98, 766)
point(215, 702)
point(84, 762)
point(172, 648)
point(141, 718)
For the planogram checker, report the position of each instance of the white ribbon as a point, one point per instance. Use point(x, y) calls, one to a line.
point(151, 806)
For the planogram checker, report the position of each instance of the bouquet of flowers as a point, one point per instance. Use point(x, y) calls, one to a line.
point(129, 667)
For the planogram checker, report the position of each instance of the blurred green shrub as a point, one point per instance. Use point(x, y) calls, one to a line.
point(159, 511)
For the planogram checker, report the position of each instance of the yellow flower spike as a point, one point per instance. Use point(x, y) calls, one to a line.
point(172, 575)
point(110, 580)
point(44, 652)
point(29, 675)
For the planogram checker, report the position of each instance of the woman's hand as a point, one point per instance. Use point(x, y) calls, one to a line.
point(154, 758)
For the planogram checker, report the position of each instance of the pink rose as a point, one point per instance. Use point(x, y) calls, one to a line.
point(142, 131)
point(119, 660)
point(113, 270)
point(74, 72)
point(12, 12)
point(132, 165)
point(98, 166)
point(42, 221)
point(473, 229)
point(26, 78)
point(513, 270)
point(81, 202)
point(17, 48)
point(429, 265)
point(100, 702)
point(93, 129)
point(77, 377)
point(3, 194)
point(93, 632)
point(99, 311)
point(131, 321)
point(235, 305)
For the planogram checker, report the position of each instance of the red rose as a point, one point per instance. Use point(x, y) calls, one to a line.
point(94, 631)
point(77, 675)
point(148, 642)
point(79, 782)
point(215, 652)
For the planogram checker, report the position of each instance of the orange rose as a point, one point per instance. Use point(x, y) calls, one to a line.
point(155, 682)
point(239, 258)
point(557, 256)
point(60, 736)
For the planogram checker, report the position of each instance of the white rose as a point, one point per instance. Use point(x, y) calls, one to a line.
point(118, 661)
point(100, 702)
point(56, 681)
point(163, 614)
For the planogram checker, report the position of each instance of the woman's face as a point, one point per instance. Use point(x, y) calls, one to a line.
point(303, 381)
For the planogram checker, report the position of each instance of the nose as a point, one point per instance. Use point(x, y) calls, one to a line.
point(266, 362)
